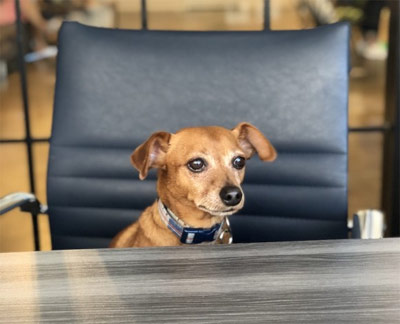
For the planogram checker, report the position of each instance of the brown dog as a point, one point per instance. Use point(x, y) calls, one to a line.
point(200, 170)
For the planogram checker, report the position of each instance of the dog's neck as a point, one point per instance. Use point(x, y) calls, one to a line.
point(189, 213)
point(186, 233)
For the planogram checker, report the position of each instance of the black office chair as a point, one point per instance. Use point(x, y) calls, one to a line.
point(115, 87)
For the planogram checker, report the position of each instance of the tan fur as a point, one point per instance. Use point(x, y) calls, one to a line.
point(193, 197)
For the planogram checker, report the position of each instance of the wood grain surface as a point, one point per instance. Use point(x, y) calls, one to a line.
point(346, 281)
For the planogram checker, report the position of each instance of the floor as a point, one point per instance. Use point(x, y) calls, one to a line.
point(366, 106)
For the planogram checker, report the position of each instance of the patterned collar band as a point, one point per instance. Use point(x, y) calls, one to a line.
point(185, 233)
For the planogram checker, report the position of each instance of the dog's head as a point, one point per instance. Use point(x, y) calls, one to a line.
point(203, 166)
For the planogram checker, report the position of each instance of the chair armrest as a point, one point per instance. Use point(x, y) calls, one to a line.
point(367, 224)
point(26, 201)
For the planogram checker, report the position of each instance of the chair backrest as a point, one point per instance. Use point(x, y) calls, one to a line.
point(116, 87)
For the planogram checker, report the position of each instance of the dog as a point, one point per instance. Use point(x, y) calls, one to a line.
point(200, 170)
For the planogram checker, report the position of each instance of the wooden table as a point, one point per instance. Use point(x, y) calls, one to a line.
point(304, 282)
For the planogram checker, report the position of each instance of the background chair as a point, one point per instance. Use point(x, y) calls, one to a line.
point(115, 87)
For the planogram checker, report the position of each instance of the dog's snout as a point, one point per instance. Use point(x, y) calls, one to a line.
point(230, 195)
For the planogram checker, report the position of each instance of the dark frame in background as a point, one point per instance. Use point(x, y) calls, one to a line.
point(391, 146)
point(390, 129)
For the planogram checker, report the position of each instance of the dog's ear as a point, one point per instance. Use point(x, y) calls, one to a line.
point(251, 140)
point(151, 154)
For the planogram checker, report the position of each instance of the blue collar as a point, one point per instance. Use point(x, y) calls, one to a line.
point(187, 234)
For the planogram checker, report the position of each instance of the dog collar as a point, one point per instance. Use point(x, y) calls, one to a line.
point(185, 233)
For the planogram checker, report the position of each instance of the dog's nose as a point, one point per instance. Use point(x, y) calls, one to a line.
point(231, 195)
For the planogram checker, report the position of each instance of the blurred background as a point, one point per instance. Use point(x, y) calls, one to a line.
point(41, 20)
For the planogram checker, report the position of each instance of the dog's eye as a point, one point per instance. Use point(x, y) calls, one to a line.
point(196, 165)
point(239, 162)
